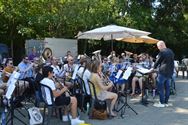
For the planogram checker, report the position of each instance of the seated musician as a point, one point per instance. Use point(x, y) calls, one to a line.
point(2, 85)
point(27, 73)
point(105, 65)
point(69, 69)
point(148, 65)
point(137, 78)
point(58, 72)
point(82, 66)
point(101, 88)
point(120, 82)
point(7, 71)
point(59, 94)
point(85, 73)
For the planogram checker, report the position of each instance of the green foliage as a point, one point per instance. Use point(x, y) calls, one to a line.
point(26, 19)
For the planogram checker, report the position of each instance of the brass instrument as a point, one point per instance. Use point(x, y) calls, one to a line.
point(97, 55)
point(47, 52)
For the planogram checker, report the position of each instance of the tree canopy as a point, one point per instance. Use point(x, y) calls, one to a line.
point(36, 19)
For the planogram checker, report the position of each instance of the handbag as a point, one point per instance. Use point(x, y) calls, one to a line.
point(35, 116)
point(100, 105)
point(99, 114)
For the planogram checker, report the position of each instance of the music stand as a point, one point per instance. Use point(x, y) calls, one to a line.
point(144, 72)
point(12, 106)
point(125, 76)
point(125, 104)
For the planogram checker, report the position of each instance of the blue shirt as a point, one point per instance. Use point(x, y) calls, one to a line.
point(25, 74)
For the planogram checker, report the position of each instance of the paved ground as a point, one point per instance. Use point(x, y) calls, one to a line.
point(174, 115)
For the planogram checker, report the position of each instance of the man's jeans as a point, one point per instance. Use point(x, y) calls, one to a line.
point(163, 83)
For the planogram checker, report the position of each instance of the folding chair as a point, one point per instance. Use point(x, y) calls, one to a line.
point(51, 106)
point(172, 87)
point(93, 98)
point(85, 98)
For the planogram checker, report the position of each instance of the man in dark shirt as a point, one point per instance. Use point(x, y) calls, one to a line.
point(165, 63)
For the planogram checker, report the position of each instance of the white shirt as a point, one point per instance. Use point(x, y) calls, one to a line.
point(51, 84)
point(80, 71)
point(57, 71)
point(86, 77)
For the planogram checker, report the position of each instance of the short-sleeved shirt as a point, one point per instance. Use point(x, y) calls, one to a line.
point(22, 66)
point(9, 70)
point(86, 77)
point(51, 84)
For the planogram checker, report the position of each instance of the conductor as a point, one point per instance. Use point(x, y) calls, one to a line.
point(165, 63)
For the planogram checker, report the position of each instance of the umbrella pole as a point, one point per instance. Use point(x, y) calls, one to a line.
point(112, 43)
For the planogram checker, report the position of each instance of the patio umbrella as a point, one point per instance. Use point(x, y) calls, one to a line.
point(111, 32)
point(141, 39)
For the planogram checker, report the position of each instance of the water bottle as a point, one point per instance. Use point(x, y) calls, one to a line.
point(5, 103)
point(87, 110)
point(153, 93)
point(146, 92)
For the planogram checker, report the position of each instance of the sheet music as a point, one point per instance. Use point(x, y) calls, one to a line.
point(143, 70)
point(75, 72)
point(13, 78)
point(10, 90)
point(11, 84)
point(118, 74)
point(127, 73)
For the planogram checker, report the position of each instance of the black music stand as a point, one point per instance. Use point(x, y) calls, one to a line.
point(12, 106)
point(125, 104)
point(144, 101)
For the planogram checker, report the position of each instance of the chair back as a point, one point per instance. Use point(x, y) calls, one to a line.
point(47, 94)
point(82, 84)
point(92, 89)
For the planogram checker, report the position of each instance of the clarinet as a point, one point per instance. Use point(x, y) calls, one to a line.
point(61, 84)
point(106, 80)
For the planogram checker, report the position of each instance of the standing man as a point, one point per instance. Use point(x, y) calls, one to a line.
point(165, 63)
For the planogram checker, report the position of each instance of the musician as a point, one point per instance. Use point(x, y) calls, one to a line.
point(26, 70)
point(6, 74)
point(120, 82)
point(113, 69)
point(7, 71)
point(1, 82)
point(69, 68)
point(59, 95)
point(65, 58)
point(82, 66)
point(112, 55)
point(33, 54)
point(101, 88)
point(105, 66)
point(58, 72)
point(138, 76)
